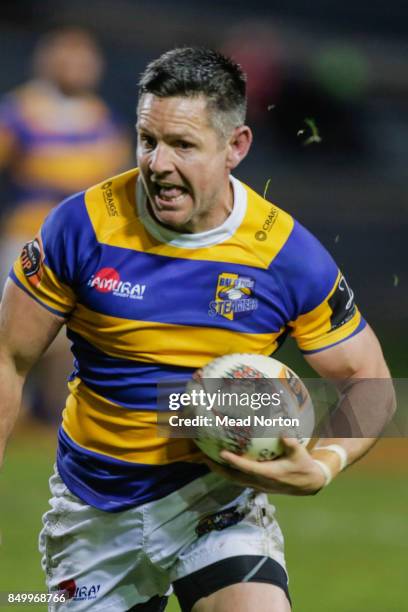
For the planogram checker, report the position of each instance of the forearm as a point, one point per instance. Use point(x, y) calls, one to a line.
point(365, 408)
point(327, 450)
point(26, 330)
point(11, 384)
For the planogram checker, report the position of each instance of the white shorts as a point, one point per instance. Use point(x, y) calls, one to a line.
point(112, 561)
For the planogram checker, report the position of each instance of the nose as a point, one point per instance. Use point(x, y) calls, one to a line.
point(161, 160)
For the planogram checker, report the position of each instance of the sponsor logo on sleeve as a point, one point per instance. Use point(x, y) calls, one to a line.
point(342, 304)
point(32, 261)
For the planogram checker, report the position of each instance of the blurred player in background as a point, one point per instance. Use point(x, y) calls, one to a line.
point(136, 267)
point(57, 136)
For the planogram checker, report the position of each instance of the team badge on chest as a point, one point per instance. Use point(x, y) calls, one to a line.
point(233, 296)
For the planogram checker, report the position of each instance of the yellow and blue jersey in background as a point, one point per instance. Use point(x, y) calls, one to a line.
point(53, 145)
point(144, 305)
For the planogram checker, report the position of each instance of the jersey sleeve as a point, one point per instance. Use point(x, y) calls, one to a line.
point(47, 268)
point(322, 305)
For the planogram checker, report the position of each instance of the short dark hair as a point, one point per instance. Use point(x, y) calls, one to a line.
point(195, 71)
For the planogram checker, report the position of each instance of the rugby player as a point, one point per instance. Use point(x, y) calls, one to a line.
point(137, 267)
point(57, 136)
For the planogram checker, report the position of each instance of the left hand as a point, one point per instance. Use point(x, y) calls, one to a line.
point(293, 473)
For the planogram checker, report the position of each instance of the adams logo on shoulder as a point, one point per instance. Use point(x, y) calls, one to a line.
point(233, 296)
point(31, 258)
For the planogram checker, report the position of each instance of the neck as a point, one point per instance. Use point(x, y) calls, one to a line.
point(214, 217)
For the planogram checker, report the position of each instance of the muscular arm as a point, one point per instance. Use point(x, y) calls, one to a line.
point(26, 331)
point(368, 400)
point(296, 472)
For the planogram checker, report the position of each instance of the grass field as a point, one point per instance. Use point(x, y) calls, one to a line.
point(347, 548)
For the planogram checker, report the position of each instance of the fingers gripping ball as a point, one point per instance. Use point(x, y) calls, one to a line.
point(252, 401)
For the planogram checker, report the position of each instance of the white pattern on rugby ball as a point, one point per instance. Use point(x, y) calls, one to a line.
point(295, 404)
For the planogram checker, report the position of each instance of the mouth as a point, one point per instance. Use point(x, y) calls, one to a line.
point(168, 195)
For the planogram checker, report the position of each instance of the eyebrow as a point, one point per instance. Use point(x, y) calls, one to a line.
point(170, 136)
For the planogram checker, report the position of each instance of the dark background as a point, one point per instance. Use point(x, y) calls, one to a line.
point(344, 64)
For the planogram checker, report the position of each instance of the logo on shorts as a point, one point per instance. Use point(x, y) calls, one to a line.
point(68, 587)
point(108, 280)
point(32, 258)
point(219, 521)
point(233, 296)
point(78, 593)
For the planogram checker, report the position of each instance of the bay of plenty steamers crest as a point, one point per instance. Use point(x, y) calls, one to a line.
point(233, 296)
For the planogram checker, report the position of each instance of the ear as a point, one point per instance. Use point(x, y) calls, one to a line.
point(238, 146)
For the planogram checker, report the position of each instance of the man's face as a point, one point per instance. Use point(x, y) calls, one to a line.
point(73, 62)
point(183, 163)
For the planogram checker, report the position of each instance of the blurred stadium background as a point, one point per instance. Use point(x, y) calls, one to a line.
point(344, 65)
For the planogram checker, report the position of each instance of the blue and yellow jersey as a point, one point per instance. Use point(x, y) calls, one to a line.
point(144, 304)
point(53, 145)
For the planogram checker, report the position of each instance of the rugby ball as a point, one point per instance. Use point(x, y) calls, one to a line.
point(248, 402)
